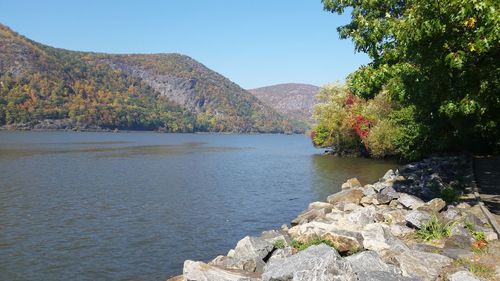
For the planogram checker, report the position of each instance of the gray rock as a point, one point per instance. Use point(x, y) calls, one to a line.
point(348, 195)
point(281, 254)
point(389, 175)
point(378, 186)
point(368, 190)
point(344, 241)
point(378, 237)
point(422, 265)
point(310, 215)
point(369, 266)
point(362, 216)
point(410, 201)
point(456, 253)
point(400, 230)
point(463, 276)
point(382, 276)
point(250, 252)
point(417, 218)
point(199, 271)
point(386, 195)
point(451, 213)
point(316, 263)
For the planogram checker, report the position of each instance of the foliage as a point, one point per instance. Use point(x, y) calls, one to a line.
point(449, 195)
point(38, 82)
point(279, 244)
point(433, 229)
point(439, 59)
point(478, 235)
point(300, 246)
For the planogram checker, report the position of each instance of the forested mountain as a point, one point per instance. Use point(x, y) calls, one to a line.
point(293, 100)
point(169, 92)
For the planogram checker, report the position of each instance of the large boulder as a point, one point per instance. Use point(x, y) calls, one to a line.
point(378, 237)
point(353, 195)
point(434, 206)
point(417, 218)
point(422, 265)
point(250, 252)
point(368, 266)
point(316, 263)
point(344, 241)
point(199, 271)
point(410, 201)
point(386, 195)
point(311, 214)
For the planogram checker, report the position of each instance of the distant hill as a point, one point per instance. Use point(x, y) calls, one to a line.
point(292, 100)
point(170, 92)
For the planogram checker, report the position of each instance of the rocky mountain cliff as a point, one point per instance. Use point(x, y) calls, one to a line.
point(293, 100)
point(169, 92)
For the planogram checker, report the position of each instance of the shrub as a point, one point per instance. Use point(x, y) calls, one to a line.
point(449, 195)
point(300, 246)
point(433, 229)
point(279, 244)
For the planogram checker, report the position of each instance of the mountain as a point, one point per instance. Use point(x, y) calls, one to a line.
point(293, 100)
point(41, 85)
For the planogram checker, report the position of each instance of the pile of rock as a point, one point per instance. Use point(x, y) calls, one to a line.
point(372, 230)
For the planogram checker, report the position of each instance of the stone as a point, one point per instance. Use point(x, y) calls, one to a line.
point(176, 278)
point(378, 186)
point(281, 253)
point(382, 276)
point(435, 205)
point(316, 263)
point(417, 218)
point(490, 235)
point(320, 205)
point(351, 183)
point(199, 271)
point(362, 216)
point(368, 266)
point(394, 216)
point(368, 190)
point(456, 253)
point(451, 213)
point(367, 200)
point(348, 195)
point(463, 276)
point(378, 237)
point(310, 215)
point(250, 253)
point(272, 236)
point(410, 201)
point(347, 207)
point(400, 230)
point(344, 241)
point(422, 265)
point(463, 206)
point(389, 175)
point(386, 195)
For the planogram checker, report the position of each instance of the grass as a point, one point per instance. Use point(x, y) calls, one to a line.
point(279, 244)
point(478, 235)
point(476, 268)
point(433, 229)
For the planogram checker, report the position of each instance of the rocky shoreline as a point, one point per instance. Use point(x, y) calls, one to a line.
point(398, 228)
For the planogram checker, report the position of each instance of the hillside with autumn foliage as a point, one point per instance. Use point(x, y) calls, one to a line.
point(167, 92)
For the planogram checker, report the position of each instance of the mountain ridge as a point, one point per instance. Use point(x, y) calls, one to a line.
point(166, 91)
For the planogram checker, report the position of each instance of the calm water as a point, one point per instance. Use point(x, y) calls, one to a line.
point(134, 206)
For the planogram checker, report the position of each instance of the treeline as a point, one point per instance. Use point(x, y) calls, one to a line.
point(433, 83)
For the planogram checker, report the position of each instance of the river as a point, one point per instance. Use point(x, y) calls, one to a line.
point(134, 206)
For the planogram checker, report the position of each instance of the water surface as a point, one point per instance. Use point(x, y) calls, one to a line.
point(134, 206)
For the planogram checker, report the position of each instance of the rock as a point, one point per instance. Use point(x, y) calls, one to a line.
point(281, 253)
point(368, 190)
point(199, 271)
point(382, 276)
point(389, 175)
point(344, 241)
point(463, 206)
point(367, 200)
point(378, 186)
point(435, 205)
point(347, 207)
point(451, 213)
point(394, 216)
point(400, 230)
point(369, 266)
point(490, 235)
point(410, 201)
point(320, 205)
point(250, 252)
point(272, 236)
point(386, 195)
point(425, 266)
point(351, 183)
point(378, 237)
point(417, 218)
point(316, 263)
point(362, 216)
point(463, 276)
point(310, 215)
point(176, 278)
point(348, 195)
point(456, 253)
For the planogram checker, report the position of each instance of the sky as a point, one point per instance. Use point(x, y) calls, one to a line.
point(254, 43)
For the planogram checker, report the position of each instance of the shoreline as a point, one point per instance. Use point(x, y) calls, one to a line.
point(373, 232)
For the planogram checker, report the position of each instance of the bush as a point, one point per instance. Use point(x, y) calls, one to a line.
point(300, 246)
point(279, 244)
point(449, 195)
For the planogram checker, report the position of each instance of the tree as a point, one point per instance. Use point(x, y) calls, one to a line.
point(441, 58)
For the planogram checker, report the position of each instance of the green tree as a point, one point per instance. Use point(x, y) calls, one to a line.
point(439, 58)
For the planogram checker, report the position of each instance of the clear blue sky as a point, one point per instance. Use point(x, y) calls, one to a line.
point(252, 42)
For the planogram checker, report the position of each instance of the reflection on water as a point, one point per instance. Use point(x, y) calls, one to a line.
point(134, 206)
